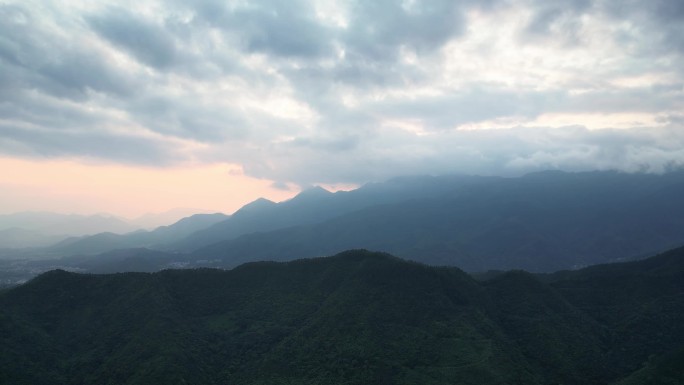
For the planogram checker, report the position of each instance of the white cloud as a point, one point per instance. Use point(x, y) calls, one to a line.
point(345, 92)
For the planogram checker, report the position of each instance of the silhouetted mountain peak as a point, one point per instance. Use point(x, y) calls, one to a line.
point(198, 217)
point(315, 191)
point(258, 204)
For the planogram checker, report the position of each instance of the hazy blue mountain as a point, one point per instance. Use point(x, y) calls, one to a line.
point(316, 205)
point(16, 237)
point(151, 221)
point(103, 242)
point(355, 318)
point(539, 222)
point(64, 224)
point(40, 229)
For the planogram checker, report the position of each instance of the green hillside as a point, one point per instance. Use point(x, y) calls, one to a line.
point(356, 318)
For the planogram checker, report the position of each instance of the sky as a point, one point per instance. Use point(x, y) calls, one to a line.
point(142, 106)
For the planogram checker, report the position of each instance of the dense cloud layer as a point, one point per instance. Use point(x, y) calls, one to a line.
point(346, 92)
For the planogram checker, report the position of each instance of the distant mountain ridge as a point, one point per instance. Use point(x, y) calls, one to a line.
point(355, 318)
point(39, 229)
point(157, 238)
point(16, 238)
point(64, 224)
point(151, 221)
point(309, 207)
point(540, 222)
point(316, 205)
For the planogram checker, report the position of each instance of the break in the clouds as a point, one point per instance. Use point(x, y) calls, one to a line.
point(346, 91)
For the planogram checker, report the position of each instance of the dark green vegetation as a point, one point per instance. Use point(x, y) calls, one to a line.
point(355, 318)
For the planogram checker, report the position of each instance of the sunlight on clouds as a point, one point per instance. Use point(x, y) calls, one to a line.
point(408, 55)
point(643, 80)
point(280, 106)
point(506, 122)
point(595, 121)
point(332, 12)
point(413, 126)
point(349, 99)
point(598, 120)
point(493, 52)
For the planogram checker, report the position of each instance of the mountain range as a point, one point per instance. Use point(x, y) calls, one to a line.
point(156, 238)
point(39, 229)
point(539, 222)
point(355, 318)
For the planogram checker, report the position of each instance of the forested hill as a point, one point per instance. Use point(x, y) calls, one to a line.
point(356, 318)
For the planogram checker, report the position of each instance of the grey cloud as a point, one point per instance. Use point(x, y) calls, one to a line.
point(379, 28)
point(657, 24)
point(669, 10)
point(97, 144)
point(376, 31)
point(366, 74)
point(62, 98)
point(15, 24)
point(579, 149)
point(674, 119)
point(660, 10)
point(470, 106)
point(40, 111)
point(145, 40)
point(480, 104)
point(187, 117)
point(34, 58)
point(644, 99)
point(280, 186)
point(548, 12)
point(661, 23)
point(74, 74)
point(282, 29)
point(490, 152)
point(341, 143)
point(291, 28)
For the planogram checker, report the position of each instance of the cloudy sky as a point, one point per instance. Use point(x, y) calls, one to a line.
point(136, 106)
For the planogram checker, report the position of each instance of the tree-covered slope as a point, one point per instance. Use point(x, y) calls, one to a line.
point(355, 318)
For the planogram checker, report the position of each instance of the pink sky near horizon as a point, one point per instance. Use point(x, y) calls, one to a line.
point(76, 187)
